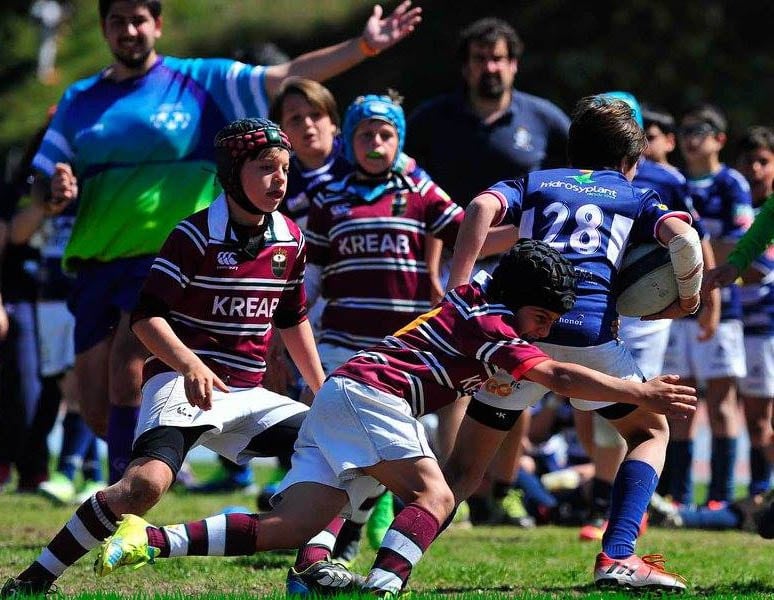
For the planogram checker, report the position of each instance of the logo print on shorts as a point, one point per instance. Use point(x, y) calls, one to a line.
point(279, 262)
point(227, 259)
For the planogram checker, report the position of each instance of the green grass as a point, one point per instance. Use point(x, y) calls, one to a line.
point(484, 562)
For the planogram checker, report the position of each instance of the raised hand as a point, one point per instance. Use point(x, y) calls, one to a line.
point(382, 32)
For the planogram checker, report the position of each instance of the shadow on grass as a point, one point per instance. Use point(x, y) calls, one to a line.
point(267, 560)
point(754, 589)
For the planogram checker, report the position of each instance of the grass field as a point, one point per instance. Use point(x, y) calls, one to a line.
point(483, 562)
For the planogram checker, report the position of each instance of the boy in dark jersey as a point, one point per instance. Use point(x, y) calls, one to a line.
point(225, 277)
point(590, 215)
point(362, 429)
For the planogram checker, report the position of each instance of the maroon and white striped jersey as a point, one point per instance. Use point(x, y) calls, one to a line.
point(370, 243)
point(451, 351)
point(222, 304)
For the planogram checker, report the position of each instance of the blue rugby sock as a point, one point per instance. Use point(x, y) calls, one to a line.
point(92, 465)
point(722, 463)
point(121, 424)
point(75, 440)
point(634, 484)
point(760, 471)
point(680, 453)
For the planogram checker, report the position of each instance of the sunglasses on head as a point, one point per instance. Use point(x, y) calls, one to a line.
point(697, 130)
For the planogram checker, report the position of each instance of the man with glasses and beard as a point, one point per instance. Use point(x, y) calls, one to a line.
point(467, 140)
point(471, 138)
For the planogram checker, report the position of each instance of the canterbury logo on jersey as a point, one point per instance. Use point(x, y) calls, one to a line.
point(235, 306)
point(228, 259)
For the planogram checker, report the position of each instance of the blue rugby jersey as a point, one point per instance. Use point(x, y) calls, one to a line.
point(590, 217)
point(724, 203)
point(757, 299)
point(54, 283)
point(671, 187)
point(142, 149)
point(302, 182)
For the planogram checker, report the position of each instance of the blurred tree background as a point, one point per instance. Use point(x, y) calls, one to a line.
point(668, 53)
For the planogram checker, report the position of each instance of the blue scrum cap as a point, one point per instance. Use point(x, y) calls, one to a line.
point(630, 100)
point(368, 107)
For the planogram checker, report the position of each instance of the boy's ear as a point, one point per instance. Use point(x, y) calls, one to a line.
point(721, 137)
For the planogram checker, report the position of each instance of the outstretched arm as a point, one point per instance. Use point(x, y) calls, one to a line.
point(660, 395)
point(380, 32)
point(747, 249)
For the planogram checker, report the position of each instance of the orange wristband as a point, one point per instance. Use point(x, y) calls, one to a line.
point(366, 48)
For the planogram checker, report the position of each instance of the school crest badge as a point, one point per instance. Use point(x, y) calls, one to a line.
point(279, 262)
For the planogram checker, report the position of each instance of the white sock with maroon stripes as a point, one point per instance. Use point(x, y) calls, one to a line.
point(91, 523)
point(233, 534)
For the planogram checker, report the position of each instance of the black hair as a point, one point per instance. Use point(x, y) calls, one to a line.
point(488, 31)
point(755, 138)
point(153, 6)
point(654, 115)
point(710, 114)
point(532, 273)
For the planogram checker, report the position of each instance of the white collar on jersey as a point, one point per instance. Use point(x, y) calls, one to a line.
point(217, 222)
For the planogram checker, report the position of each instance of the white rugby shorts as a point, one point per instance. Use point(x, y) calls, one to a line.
point(647, 344)
point(237, 416)
point(350, 426)
point(56, 344)
point(721, 356)
point(759, 381)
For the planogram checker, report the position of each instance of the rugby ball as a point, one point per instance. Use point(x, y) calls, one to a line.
point(646, 282)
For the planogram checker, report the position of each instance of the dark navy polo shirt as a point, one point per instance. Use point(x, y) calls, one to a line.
point(465, 156)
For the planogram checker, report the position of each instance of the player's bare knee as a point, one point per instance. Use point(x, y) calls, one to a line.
point(142, 490)
point(438, 501)
point(655, 430)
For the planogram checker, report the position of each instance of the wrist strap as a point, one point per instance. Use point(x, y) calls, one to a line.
point(366, 48)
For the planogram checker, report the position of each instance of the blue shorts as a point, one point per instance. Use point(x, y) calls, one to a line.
point(102, 291)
